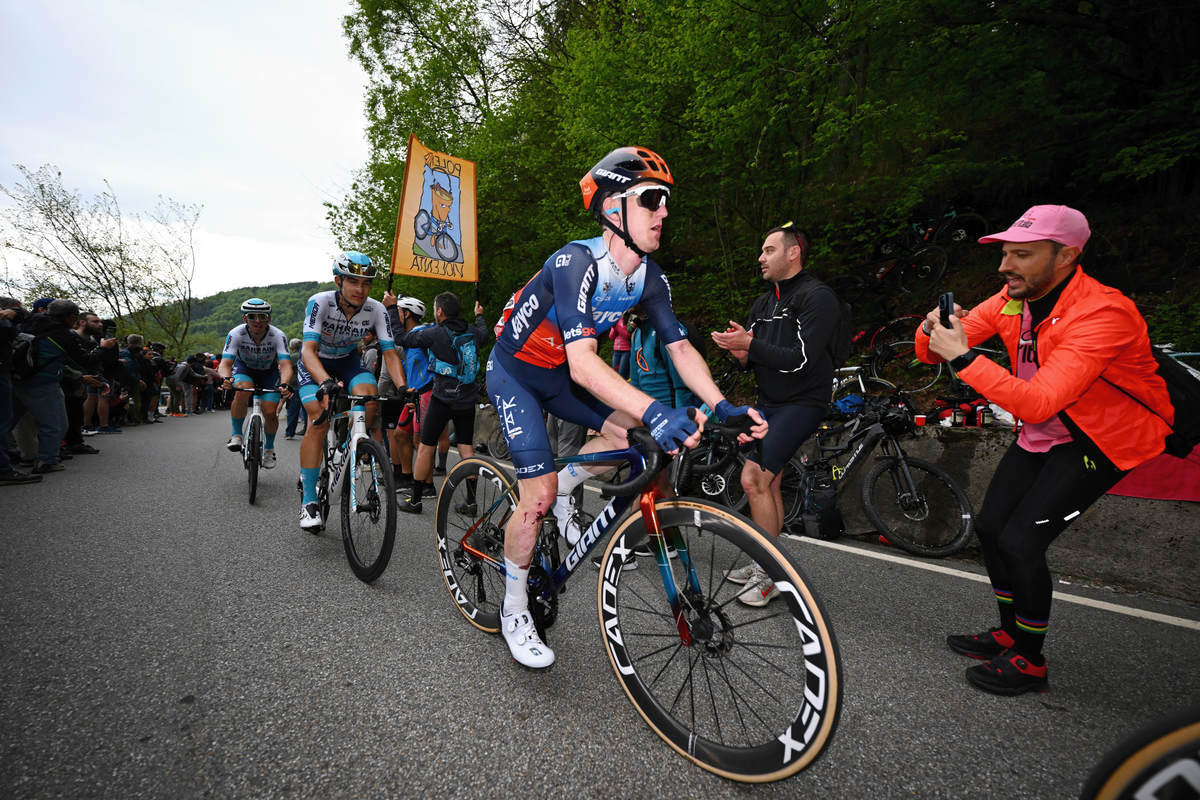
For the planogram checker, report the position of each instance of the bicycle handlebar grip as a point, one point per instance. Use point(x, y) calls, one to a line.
point(331, 393)
point(655, 458)
point(730, 432)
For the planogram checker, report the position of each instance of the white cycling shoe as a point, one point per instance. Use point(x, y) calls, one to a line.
point(269, 459)
point(523, 642)
point(310, 518)
point(234, 444)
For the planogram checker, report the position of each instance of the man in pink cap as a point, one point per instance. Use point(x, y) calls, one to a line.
point(1081, 355)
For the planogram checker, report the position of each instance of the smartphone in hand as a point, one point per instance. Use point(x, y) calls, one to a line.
point(946, 308)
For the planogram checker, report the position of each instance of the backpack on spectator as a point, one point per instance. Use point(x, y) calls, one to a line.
point(1184, 391)
point(468, 359)
point(25, 361)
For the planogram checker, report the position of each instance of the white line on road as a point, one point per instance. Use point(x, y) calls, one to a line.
point(1066, 598)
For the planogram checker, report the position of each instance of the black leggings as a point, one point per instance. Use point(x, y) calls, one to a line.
point(1032, 498)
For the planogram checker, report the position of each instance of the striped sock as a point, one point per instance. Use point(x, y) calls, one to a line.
point(1008, 617)
point(1029, 638)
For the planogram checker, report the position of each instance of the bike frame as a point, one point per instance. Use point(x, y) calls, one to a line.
point(339, 454)
point(561, 573)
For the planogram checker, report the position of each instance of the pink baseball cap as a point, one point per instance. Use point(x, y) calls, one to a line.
point(1062, 224)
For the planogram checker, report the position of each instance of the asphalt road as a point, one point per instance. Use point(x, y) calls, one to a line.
point(161, 638)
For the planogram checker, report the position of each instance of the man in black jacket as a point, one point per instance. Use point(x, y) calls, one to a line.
point(42, 395)
point(786, 341)
point(452, 399)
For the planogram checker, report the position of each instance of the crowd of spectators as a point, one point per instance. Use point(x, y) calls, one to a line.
point(64, 376)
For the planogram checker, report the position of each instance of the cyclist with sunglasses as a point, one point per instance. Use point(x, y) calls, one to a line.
point(256, 355)
point(546, 359)
point(334, 323)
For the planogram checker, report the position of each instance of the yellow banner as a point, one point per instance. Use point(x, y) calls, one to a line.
point(436, 233)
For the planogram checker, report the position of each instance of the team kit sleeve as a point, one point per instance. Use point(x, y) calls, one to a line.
point(815, 320)
point(314, 315)
point(230, 351)
point(573, 279)
point(281, 345)
point(383, 328)
point(656, 302)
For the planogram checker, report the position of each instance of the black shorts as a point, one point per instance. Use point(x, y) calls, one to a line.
point(440, 414)
point(788, 428)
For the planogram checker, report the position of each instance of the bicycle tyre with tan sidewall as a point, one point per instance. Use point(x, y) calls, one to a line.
point(756, 694)
point(474, 584)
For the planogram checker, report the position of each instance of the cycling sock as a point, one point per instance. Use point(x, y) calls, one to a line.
point(308, 479)
point(270, 437)
point(442, 459)
point(569, 477)
point(515, 596)
point(1008, 617)
point(237, 425)
point(1030, 636)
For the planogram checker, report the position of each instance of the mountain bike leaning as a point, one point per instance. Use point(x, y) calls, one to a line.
point(368, 507)
point(749, 693)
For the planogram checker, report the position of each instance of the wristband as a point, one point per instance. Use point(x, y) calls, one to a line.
point(925, 329)
point(959, 363)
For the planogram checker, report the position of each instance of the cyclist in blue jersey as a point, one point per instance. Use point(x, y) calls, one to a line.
point(546, 359)
point(256, 355)
point(334, 323)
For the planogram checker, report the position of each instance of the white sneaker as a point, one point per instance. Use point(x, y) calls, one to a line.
point(269, 459)
point(523, 642)
point(761, 590)
point(740, 575)
point(310, 518)
point(234, 444)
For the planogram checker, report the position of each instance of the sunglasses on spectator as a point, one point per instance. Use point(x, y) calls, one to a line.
point(256, 317)
point(650, 196)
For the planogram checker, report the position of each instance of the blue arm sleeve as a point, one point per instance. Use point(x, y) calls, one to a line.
point(656, 301)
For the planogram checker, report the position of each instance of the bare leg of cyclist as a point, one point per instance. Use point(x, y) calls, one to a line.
point(237, 410)
point(310, 465)
point(270, 410)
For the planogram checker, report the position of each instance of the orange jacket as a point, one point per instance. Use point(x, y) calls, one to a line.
point(1093, 332)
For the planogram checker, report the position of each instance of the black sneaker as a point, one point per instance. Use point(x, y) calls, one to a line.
point(427, 490)
point(467, 509)
point(14, 478)
point(1009, 673)
point(408, 506)
point(404, 482)
point(81, 449)
point(988, 644)
point(439, 469)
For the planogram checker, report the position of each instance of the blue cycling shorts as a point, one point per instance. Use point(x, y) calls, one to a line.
point(348, 369)
point(521, 392)
point(261, 378)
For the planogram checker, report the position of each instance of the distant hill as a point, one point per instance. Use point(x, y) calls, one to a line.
point(214, 316)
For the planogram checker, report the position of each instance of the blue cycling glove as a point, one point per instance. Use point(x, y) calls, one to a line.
point(670, 427)
point(726, 409)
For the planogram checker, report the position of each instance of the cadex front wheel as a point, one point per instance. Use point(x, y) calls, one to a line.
point(749, 692)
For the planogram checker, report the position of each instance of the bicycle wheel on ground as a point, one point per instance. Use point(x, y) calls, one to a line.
point(897, 363)
point(962, 229)
point(933, 521)
point(472, 510)
point(1157, 761)
point(497, 446)
point(750, 693)
point(252, 450)
point(921, 271)
point(864, 386)
point(369, 511)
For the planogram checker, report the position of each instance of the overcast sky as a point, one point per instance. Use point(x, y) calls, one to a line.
point(251, 109)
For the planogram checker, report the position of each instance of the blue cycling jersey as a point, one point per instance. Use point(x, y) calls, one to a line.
point(338, 337)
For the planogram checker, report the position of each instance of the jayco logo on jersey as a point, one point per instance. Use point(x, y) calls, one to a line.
point(603, 173)
point(601, 317)
point(520, 319)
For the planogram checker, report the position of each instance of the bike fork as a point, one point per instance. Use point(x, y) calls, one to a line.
point(658, 545)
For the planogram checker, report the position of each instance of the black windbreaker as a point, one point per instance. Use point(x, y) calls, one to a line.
point(791, 325)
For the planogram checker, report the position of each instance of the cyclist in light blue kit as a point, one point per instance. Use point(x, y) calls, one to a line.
point(256, 355)
point(334, 323)
point(546, 359)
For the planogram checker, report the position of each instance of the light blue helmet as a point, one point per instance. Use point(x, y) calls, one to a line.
point(353, 264)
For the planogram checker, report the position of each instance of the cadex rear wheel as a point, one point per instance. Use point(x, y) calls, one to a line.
point(472, 510)
point(751, 693)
